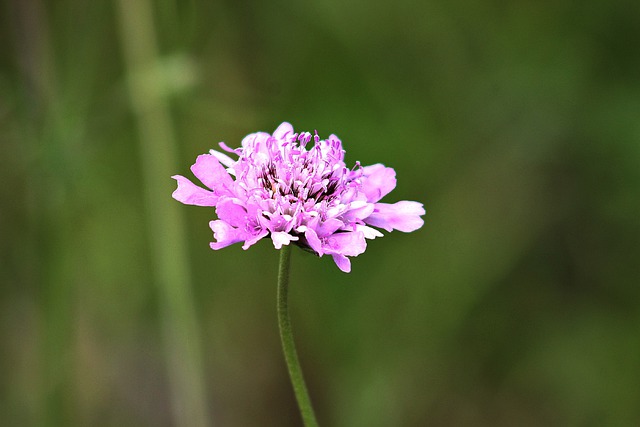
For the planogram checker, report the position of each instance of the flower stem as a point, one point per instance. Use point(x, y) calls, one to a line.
point(288, 345)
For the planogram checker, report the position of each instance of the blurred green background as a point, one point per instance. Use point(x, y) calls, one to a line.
point(515, 123)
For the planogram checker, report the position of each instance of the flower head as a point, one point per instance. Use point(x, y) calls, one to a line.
point(296, 188)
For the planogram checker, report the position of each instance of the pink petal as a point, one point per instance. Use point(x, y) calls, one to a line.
point(351, 243)
point(342, 262)
point(255, 139)
point(222, 158)
point(328, 227)
point(314, 241)
point(403, 216)
point(377, 181)
point(208, 169)
point(357, 211)
point(224, 234)
point(369, 233)
point(254, 239)
point(283, 130)
point(281, 238)
point(228, 149)
point(190, 194)
point(231, 212)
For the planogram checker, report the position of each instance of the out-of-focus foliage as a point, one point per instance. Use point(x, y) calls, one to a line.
point(516, 123)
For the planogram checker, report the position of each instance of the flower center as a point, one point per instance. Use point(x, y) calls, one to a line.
point(300, 181)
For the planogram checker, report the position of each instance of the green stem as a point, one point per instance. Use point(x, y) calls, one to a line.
point(288, 345)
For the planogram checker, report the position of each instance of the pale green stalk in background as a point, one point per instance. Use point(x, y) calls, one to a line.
point(166, 227)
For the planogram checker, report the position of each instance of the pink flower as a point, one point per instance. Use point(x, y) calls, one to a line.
point(295, 187)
